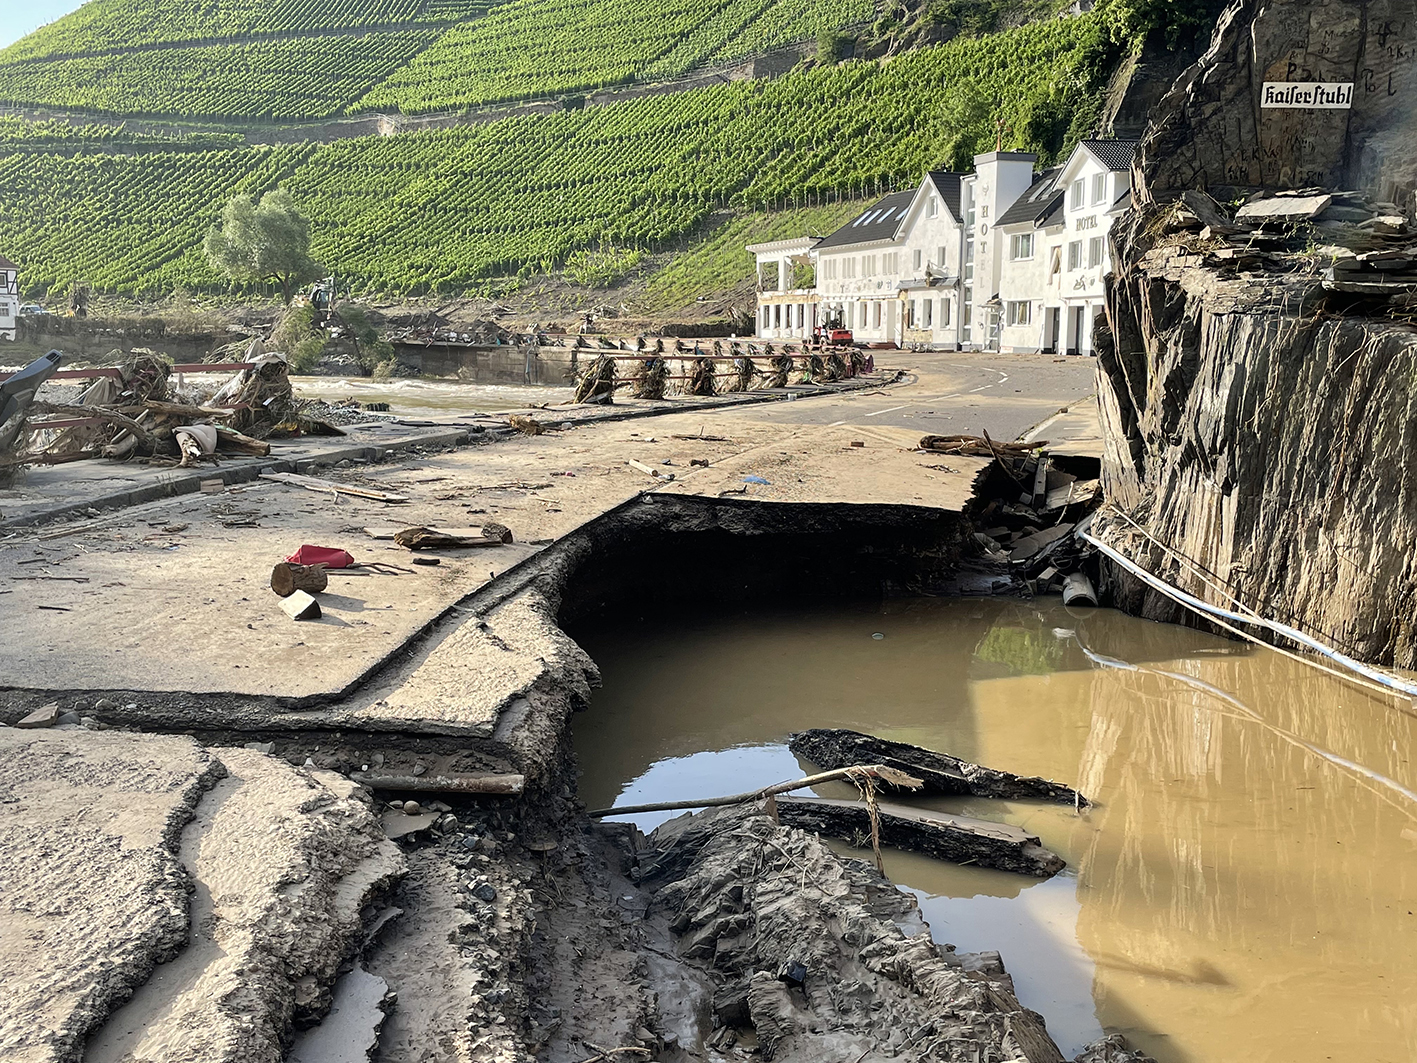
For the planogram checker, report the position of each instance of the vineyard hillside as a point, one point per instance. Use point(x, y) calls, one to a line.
point(479, 206)
point(295, 60)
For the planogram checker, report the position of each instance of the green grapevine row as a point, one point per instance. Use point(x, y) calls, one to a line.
point(119, 25)
point(125, 222)
point(303, 77)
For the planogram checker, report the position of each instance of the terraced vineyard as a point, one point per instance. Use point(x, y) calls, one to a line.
point(531, 48)
point(123, 25)
point(127, 223)
point(449, 209)
point(298, 77)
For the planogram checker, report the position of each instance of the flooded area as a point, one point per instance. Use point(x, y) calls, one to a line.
point(429, 397)
point(1244, 887)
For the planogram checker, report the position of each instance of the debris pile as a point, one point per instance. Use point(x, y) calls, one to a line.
point(1028, 504)
point(1339, 242)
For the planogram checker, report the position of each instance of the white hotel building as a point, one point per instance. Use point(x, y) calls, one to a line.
point(1005, 258)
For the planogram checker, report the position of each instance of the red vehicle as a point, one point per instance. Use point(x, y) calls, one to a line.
point(840, 337)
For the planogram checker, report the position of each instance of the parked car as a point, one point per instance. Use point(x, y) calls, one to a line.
point(33, 310)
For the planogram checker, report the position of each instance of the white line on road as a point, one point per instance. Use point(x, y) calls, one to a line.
point(836, 423)
point(877, 413)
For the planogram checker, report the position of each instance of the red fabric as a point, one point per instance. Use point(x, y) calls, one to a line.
point(329, 556)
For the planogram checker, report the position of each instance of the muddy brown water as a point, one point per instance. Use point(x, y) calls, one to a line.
point(1244, 888)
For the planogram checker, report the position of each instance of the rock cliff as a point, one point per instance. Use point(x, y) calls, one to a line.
point(1258, 369)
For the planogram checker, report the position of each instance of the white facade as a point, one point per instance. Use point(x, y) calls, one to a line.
point(9, 297)
point(1001, 259)
point(787, 300)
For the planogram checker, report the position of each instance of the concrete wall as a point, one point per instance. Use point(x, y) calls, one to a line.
point(505, 364)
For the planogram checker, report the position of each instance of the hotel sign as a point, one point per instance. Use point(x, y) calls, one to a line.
point(1308, 95)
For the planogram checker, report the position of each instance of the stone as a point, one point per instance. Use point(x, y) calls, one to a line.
point(44, 716)
point(260, 747)
point(485, 892)
point(90, 723)
point(412, 808)
point(68, 719)
point(1283, 209)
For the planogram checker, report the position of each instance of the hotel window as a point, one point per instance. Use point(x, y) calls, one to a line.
point(1077, 196)
point(915, 259)
point(929, 313)
point(1055, 266)
point(875, 315)
point(1094, 252)
point(1099, 188)
point(1020, 312)
point(910, 315)
point(1075, 255)
point(1021, 246)
point(944, 313)
point(940, 256)
point(932, 207)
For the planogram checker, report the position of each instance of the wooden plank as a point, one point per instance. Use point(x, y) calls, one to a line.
point(959, 839)
point(838, 747)
point(313, 483)
point(1080, 491)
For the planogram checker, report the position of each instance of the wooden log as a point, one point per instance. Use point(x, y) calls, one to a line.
point(141, 434)
point(313, 483)
point(488, 783)
point(944, 836)
point(300, 606)
point(940, 772)
point(287, 578)
point(180, 409)
point(230, 440)
point(433, 539)
point(882, 774)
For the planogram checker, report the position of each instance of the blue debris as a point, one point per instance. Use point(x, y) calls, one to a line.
point(755, 480)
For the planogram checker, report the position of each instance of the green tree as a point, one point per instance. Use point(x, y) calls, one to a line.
point(265, 242)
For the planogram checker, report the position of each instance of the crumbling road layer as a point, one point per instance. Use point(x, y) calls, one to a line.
point(249, 880)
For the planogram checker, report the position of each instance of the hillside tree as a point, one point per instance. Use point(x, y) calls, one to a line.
point(269, 241)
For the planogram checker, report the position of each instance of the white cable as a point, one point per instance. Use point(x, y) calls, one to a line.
point(1293, 634)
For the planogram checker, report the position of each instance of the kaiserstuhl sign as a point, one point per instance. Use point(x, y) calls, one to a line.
point(1308, 95)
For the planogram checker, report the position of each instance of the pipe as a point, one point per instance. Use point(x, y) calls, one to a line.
point(1077, 590)
point(1195, 604)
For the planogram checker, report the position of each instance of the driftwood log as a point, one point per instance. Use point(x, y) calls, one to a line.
point(942, 773)
point(140, 433)
point(287, 578)
point(232, 441)
point(958, 839)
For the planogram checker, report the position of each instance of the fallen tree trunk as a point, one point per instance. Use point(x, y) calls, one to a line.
point(940, 772)
point(958, 839)
point(140, 433)
point(442, 784)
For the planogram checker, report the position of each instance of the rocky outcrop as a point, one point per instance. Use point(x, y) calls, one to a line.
point(1258, 379)
point(1212, 130)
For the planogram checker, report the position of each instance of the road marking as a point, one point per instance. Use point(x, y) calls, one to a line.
point(834, 424)
point(878, 413)
point(980, 388)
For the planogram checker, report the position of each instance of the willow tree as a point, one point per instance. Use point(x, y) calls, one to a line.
point(269, 241)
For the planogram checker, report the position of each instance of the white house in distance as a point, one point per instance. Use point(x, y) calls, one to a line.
point(1005, 258)
point(9, 297)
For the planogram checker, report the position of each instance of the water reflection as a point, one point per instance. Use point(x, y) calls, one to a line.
point(1242, 890)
